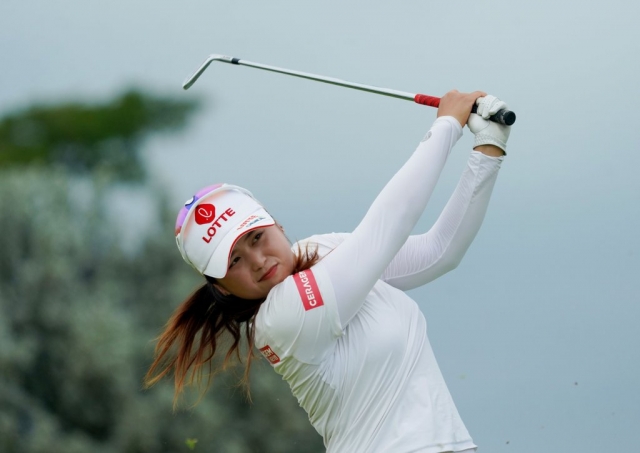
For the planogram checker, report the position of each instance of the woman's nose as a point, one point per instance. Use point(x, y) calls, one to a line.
point(257, 260)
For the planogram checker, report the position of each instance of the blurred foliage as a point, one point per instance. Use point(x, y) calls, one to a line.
point(78, 315)
point(87, 138)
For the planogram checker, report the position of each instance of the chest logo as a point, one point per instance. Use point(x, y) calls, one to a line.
point(268, 354)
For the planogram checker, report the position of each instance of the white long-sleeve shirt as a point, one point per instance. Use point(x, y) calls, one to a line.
point(348, 340)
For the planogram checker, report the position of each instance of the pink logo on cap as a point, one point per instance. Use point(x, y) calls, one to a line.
point(205, 213)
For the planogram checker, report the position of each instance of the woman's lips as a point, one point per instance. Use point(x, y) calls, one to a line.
point(270, 273)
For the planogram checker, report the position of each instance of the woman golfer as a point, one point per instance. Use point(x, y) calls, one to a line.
point(330, 313)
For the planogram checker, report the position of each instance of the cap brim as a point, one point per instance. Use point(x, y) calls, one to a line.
point(219, 263)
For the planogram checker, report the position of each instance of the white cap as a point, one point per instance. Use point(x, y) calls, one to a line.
point(211, 222)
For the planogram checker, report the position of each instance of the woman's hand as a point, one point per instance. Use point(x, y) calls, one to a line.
point(458, 105)
point(491, 138)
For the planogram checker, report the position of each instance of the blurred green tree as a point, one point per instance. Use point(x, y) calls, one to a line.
point(87, 138)
point(78, 313)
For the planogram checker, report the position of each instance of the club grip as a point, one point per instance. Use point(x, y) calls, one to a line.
point(506, 117)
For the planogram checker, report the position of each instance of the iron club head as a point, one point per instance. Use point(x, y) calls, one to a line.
point(211, 58)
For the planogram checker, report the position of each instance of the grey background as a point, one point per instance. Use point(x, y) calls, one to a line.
point(536, 330)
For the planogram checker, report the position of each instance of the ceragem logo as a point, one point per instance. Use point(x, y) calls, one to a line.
point(308, 289)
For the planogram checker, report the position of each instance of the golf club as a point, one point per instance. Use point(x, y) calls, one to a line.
point(506, 117)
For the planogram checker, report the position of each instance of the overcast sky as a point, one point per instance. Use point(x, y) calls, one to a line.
point(536, 331)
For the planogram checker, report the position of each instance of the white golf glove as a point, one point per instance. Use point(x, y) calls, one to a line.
point(487, 132)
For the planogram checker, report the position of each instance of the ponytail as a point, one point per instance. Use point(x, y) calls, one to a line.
point(198, 325)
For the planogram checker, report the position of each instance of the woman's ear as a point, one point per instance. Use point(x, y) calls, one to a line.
point(222, 291)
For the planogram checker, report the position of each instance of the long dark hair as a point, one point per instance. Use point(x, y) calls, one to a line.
point(198, 326)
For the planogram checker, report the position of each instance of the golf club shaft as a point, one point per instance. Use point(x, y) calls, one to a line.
point(503, 116)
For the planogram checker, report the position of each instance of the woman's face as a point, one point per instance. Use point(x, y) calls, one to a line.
point(260, 260)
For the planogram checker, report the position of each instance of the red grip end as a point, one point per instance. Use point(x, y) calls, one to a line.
point(423, 99)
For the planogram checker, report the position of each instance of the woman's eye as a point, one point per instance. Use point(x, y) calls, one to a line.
point(257, 236)
point(234, 261)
